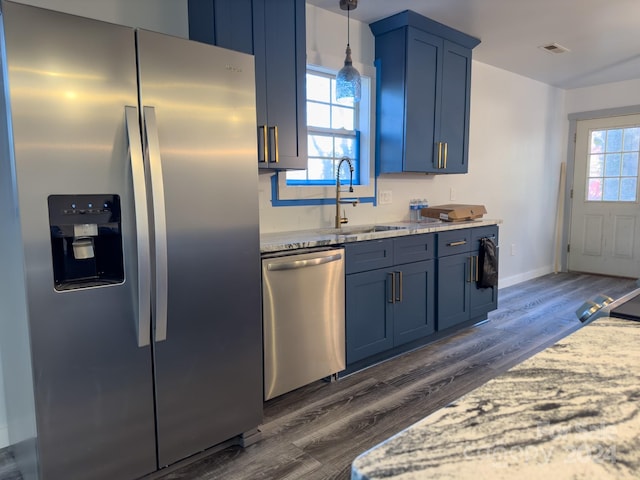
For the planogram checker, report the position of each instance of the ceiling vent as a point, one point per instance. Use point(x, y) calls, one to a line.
point(554, 48)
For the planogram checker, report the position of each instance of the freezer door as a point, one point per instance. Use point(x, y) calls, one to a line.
point(200, 147)
point(69, 80)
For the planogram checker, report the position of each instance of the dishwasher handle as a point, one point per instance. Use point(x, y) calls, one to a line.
point(310, 262)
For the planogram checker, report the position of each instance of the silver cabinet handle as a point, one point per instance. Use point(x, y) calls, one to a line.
point(152, 157)
point(309, 262)
point(143, 320)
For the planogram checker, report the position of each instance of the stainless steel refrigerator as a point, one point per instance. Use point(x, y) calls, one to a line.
point(130, 290)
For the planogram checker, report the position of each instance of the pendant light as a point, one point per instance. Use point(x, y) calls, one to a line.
point(348, 84)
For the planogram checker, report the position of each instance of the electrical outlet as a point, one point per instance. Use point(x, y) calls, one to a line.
point(513, 249)
point(453, 195)
point(384, 197)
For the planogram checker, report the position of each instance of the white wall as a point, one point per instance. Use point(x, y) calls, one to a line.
point(600, 97)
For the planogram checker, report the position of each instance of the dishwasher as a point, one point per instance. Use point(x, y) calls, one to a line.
point(303, 318)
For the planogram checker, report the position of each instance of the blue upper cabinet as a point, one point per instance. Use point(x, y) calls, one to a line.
point(274, 32)
point(423, 95)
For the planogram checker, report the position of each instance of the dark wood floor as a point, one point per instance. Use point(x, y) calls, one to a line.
point(315, 432)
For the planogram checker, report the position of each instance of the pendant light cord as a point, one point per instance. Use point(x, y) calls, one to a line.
point(348, 33)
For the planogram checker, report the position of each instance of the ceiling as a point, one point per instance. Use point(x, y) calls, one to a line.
point(603, 36)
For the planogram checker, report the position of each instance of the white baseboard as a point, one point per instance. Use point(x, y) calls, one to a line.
point(4, 436)
point(523, 277)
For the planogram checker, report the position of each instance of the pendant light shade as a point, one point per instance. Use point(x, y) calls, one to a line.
point(348, 83)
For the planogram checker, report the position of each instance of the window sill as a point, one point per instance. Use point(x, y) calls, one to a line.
point(284, 196)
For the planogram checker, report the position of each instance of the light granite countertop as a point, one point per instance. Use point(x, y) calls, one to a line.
point(570, 412)
point(293, 240)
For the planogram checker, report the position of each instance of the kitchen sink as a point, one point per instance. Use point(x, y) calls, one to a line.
point(369, 229)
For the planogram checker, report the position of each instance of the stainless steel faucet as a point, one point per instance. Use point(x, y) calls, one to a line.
point(343, 219)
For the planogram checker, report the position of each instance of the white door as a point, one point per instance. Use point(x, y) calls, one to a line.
point(605, 214)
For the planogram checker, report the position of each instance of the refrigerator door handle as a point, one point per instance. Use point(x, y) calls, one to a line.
point(143, 323)
point(152, 154)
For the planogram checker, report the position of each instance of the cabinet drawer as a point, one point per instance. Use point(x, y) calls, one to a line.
point(483, 232)
point(454, 241)
point(364, 256)
point(413, 248)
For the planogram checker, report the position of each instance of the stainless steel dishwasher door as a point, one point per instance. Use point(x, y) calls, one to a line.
point(303, 317)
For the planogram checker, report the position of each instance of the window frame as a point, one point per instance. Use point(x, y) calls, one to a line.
point(291, 195)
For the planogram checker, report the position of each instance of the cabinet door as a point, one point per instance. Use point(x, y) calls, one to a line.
point(275, 33)
point(225, 23)
point(280, 49)
point(369, 313)
point(454, 121)
point(453, 290)
point(482, 300)
point(423, 69)
point(390, 100)
point(414, 312)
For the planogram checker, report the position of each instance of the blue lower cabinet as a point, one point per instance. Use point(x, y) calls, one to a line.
point(402, 292)
point(391, 306)
point(482, 301)
point(369, 313)
point(453, 290)
point(414, 310)
point(459, 299)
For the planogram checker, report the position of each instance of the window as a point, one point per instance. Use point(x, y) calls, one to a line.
point(335, 130)
point(332, 134)
point(613, 165)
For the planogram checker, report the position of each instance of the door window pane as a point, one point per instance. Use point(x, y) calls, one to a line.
point(612, 165)
point(628, 188)
point(596, 165)
point(611, 187)
point(594, 192)
point(597, 141)
point(614, 140)
point(632, 139)
point(630, 164)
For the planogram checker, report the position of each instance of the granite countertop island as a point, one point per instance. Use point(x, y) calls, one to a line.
point(570, 412)
point(297, 239)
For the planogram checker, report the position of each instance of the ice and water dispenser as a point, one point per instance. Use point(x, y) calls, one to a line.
point(86, 240)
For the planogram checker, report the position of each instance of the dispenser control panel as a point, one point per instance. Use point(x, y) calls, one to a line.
point(86, 240)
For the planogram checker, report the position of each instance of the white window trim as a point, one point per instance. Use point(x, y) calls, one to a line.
point(367, 147)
